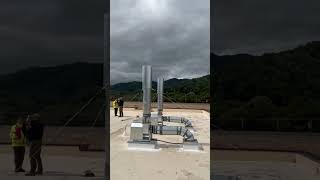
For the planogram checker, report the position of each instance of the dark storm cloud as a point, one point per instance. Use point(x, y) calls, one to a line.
point(50, 32)
point(171, 35)
point(259, 26)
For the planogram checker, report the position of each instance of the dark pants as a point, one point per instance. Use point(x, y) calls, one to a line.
point(18, 157)
point(115, 111)
point(121, 111)
point(35, 156)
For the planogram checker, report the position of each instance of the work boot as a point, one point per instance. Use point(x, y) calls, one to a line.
point(20, 170)
point(30, 174)
point(88, 173)
point(39, 173)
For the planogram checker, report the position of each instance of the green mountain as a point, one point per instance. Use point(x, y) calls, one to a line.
point(54, 92)
point(177, 90)
point(282, 85)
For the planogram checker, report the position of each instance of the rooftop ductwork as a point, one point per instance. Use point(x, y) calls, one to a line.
point(175, 119)
point(174, 130)
point(143, 128)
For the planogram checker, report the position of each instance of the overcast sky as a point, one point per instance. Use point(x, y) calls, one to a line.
point(171, 35)
point(259, 26)
point(50, 32)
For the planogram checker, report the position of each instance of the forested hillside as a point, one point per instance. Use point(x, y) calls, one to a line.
point(282, 85)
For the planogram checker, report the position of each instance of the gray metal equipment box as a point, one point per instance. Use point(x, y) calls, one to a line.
point(136, 133)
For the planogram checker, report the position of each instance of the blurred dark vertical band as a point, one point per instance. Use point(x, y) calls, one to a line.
point(106, 79)
point(211, 87)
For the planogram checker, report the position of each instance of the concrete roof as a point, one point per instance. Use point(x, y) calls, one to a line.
point(169, 162)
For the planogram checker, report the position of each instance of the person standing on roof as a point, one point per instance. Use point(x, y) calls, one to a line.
point(115, 107)
point(18, 143)
point(34, 137)
point(120, 104)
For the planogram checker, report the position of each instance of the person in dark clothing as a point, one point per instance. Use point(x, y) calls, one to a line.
point(34, 136)
point(19, 158)
point(120, 105)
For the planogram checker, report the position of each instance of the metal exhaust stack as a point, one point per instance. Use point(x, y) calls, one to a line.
point(160, 96)
point(140, 134)
point(146, 88)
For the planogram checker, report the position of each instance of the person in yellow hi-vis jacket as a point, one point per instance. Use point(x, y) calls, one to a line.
point(18, 142)
point(115, 107)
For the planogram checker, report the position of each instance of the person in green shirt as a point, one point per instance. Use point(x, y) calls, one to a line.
point(18, 142)
point(115, 107)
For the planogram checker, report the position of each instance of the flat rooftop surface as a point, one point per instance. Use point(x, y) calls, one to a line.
point(253, 165)
point(59, 163)
point(167, 163)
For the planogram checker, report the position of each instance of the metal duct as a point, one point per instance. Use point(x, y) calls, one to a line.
point(173, 130)
point(160, 96)
point(176, 119)
point(146, 88)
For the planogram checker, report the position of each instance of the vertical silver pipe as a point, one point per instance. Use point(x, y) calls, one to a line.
point(160, 95)
point(146, 88)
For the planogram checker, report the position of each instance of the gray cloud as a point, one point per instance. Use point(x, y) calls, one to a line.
point(256, 27)
point(50, 32)
point(171, 35)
